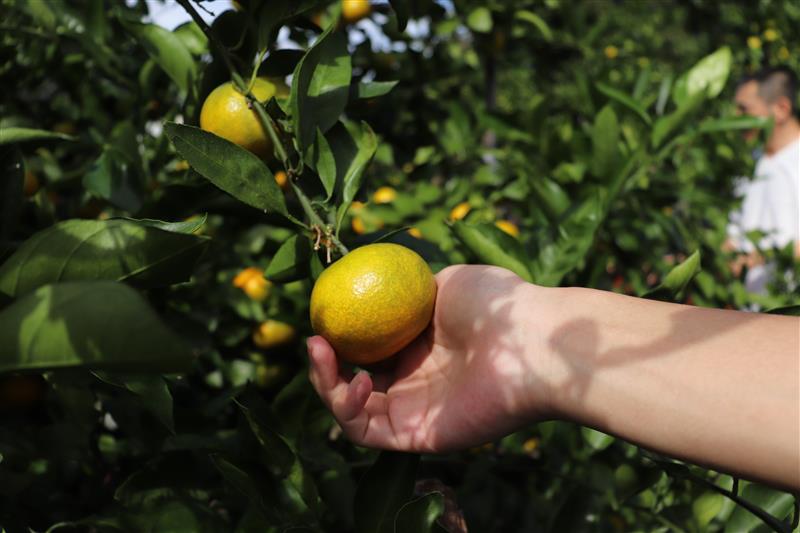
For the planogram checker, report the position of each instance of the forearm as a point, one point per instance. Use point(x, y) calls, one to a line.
point(720, 388)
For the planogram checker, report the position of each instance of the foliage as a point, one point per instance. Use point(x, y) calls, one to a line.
point(585, 124)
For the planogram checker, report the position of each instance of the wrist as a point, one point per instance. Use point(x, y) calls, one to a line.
point(543, 318)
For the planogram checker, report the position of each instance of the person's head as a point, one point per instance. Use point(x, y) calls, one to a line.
point(772, 92)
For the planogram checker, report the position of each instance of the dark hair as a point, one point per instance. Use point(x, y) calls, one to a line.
point(775, 82)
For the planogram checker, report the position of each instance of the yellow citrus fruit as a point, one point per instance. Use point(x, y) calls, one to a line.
point(771, 35)
point(754, 42)
point(31, 185)
point(415, 232)
point(358, 226)
point(460, 211)
point(272, 333)
point(181, 165)
point(508, 226)
point(611, 51)
point(251, 280)
point(225, 113)
point(384, 195)
point(373, 302)
point(355, 10)
point(282, 179)
point(21, 391)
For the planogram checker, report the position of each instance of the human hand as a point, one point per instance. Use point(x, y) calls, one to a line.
point(471, 377)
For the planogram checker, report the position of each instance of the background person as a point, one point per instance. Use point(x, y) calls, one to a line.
point(771, 201)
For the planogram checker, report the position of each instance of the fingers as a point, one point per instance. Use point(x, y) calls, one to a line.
point(344, 394)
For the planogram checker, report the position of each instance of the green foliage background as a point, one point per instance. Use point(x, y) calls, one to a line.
point(586, 124)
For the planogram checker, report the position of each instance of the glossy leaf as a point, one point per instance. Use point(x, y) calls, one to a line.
point(480, 20)
point(675, 282)
point(605, 136)
point(400, 8)
point(706, 79)
point(667, 124)
point(113, 178)
point(734, 124)
point(228, 166)
point(320, 87)
point(375, 88)
point(322, 159)
point(383, 490)
point(353, 148)
point(190, 225)
point(624, 99)
point(789, 310)
point(596, 439)
point(776, 503)
point(537, 22)
point(278, 452)
point(419, 515)
point(550, 197)
point(116, 250)
point(290, 262)
point(493, 246)
point(168, 50)
point(95, 325)
point(152, 391)
point(10, 135)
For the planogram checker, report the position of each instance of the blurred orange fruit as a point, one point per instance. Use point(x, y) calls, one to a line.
point(460, 211)
point(272, 333)
point(355, 10)
point(508, 226)
point(384, 195)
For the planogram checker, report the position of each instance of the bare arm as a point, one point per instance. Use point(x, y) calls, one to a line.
point(720, 388)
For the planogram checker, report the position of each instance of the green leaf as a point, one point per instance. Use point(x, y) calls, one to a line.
point(400, 8)
point(375, 88)
point(353, 148)
point(596, 439)
point(322, 159)
point(113, 178)
point(537, 21)
point(12, 182)
point(774, 502)
point(192, 37)
point(605, 136)
point(678, 278)
point(18, 135)
point(277, 451)
point(320, 87)
point(96, 325)
point(734, 124)
point(152, 390)
point(493, 246)
point(706, 79)
point(186, 226)
point(383, 490)
point(230, 167)
point(667, 124)
point(116, 250)
point(550, 197)
point(790, 310)
point(706, 507)
point(290, 262)
point(274, 13)
point(419, 515)
point(239, 479)
point(480, 19)
point(168, 50)
point(624, 99)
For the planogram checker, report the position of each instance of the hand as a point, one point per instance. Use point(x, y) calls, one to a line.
point(468, 379)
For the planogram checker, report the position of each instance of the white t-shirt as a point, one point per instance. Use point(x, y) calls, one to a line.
point(771, 204)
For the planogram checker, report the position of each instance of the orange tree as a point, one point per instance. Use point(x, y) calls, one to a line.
point(155, 277)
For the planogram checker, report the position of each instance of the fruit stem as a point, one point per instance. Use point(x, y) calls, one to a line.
point(315, 219)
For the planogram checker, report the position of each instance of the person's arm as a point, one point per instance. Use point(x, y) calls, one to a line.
point(720, 388)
